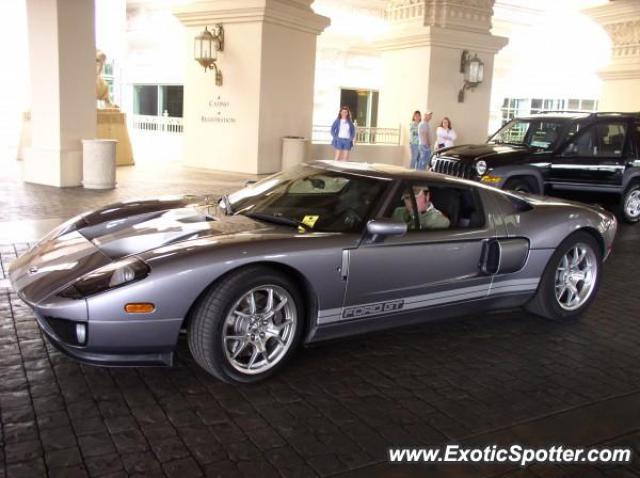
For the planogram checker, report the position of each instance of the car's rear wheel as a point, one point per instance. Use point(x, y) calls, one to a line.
point(630, 203)
point(571, 279)
point(520, 185)
point(247, 326)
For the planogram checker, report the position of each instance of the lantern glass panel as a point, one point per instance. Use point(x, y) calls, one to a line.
point(197, 48)
point(206, 49)
point(467, 71)
point(473, 71)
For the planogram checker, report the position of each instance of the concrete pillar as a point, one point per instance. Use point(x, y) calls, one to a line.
point(621, 78)
point(62, 55)
point(421, 54)
point(268, 68)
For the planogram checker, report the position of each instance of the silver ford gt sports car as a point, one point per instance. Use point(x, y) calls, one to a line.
point(319, 251)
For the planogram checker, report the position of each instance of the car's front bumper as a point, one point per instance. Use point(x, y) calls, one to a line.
point(106, 343)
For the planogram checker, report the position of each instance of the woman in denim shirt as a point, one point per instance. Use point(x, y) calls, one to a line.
point(343, 132)
point(414, 139)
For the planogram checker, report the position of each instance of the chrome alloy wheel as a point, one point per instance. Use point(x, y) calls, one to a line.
point(576, 276)
point(632, 204)
point(259, 329)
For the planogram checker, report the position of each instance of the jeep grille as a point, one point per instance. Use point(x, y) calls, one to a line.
point(452, 167)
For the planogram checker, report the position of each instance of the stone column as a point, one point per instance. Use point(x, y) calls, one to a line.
point(62, 55)
point(268, 68)
point(421, 55)
point(621, 78)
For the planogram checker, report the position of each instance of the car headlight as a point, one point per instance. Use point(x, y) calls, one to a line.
point(108, 277)
point(481, 167)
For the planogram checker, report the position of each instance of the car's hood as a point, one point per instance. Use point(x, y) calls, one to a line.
point(95, 239)
point(52, 264)
point(132, 228)
point(470, 152)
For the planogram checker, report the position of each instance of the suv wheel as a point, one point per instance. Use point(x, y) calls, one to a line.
point(247, 326)
point(519, 185)
point(630, 203)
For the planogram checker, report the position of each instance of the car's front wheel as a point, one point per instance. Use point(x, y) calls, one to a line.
point(630, 204)
point(571, 279)
point(247, 326)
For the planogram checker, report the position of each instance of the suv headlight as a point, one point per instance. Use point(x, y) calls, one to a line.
point(108, 277)
point(481, 167)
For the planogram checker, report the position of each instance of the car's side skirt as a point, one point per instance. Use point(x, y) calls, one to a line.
point(424, 301)
point(402, 318)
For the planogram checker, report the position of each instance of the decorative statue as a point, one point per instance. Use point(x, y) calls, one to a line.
point(102, 88)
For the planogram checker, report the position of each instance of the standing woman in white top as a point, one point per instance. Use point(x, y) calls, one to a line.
point(445, 135)
point(343, 132)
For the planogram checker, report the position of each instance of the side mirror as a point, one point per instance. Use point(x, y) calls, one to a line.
point(386, 227)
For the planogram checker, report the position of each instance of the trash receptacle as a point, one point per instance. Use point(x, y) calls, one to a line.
point(294, 151)
point(99, 163)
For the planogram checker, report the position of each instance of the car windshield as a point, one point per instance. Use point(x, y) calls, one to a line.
point(539, 133)
point(311, 198)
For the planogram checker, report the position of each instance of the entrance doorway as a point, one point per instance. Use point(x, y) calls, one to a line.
point(363, 105)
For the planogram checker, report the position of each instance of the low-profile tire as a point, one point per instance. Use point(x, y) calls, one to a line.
point(574, 270)
point(629, 207)
point(257, 309)
point(520, 185)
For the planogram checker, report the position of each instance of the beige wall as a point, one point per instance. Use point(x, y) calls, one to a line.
point(620, 95)
point(224, 146)
point(268, 74)
point(470, 119)
point(268, 68)
point(428, 76)
point(286, 99)
point(405, 89)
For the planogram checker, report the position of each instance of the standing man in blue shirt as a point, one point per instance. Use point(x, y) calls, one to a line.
point(425, 140)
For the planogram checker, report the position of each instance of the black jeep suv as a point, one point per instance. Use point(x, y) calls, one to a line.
point(555, 153)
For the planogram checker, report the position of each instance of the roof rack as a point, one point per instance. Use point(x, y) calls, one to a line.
point(620, 113)
point(594, 113)
point(564, 111)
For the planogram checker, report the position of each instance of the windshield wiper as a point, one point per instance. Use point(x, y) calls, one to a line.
point(497, 141)
point(287, 221)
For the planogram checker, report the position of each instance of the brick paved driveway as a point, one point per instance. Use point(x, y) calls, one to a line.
point(484, 379)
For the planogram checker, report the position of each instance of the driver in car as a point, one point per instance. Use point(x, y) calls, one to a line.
point(429, 216)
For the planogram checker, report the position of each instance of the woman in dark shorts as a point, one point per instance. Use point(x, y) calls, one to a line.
point(343, 132)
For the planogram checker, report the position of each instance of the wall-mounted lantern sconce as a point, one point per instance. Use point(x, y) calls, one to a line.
point(206, 47)
point(473, 70)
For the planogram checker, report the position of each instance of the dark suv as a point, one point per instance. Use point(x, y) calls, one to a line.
point(554, 153)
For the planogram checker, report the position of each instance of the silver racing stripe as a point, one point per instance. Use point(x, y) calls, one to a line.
point(426, 300)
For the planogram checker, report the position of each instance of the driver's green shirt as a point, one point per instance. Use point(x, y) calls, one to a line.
point(429, 219)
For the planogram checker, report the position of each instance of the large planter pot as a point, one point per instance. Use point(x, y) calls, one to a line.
point(99, 163)
point(294, 151)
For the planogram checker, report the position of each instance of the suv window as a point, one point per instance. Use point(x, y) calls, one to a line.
point(600, 140)
point(610, 139)
point(440, 207)
point(582, 144)
point(541, 133)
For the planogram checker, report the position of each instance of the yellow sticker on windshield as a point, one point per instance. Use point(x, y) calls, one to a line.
point(309, 220)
